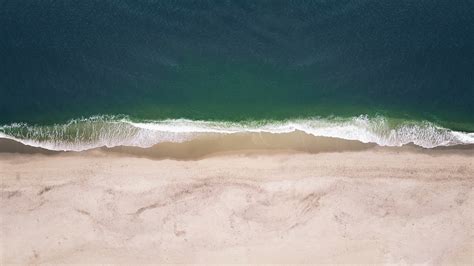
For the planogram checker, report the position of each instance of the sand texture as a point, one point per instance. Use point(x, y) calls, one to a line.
point(370, 206)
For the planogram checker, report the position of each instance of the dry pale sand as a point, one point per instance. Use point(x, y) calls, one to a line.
point(368, 206)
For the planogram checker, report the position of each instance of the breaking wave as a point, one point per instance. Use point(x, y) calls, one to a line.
point(112, 131)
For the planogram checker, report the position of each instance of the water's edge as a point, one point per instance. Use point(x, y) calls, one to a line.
point(115, 131)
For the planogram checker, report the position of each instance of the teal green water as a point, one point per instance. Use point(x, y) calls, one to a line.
point(230, 91)
point(237, 60)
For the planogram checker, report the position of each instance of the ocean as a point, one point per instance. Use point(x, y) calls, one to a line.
point(78, 75)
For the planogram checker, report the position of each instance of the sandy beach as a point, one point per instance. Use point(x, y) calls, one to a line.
point(376, 205)
point(236, 132)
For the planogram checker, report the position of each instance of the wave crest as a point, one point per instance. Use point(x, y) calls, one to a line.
point(111, 131)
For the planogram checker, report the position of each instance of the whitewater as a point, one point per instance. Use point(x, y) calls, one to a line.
point(112, 131)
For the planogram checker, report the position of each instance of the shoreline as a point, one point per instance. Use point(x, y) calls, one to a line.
point(374, 205)
point(103, 131)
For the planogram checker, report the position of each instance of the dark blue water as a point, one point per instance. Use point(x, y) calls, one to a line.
point(237, 60)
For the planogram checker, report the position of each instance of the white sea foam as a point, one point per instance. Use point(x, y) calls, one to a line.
point(109, 131)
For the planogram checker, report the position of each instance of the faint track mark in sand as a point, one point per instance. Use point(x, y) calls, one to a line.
point(282, 211)
point(11, 194)
point(44, 190)
point(201, 190)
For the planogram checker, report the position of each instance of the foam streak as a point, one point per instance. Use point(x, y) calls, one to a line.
point(112, 131)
